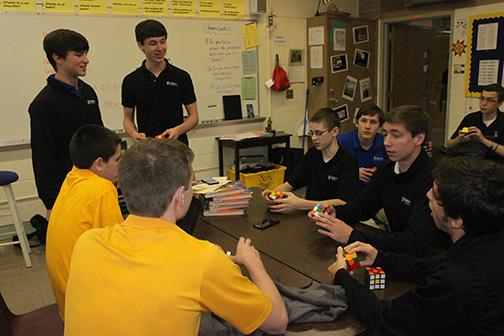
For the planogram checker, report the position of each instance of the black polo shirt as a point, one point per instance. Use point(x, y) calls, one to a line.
point(336, 178)
point(55, 114)
point(158, 101)
point(494, 132)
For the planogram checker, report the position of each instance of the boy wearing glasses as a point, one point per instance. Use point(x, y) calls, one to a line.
point(329, 172)
point(482, 132)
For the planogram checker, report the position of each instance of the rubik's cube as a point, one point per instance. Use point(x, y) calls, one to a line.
point(276, 195)
point(352, 260)
point(374, 169)
point(319, 208)
point(375, 278)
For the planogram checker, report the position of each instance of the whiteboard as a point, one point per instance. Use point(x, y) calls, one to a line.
point(210, 50)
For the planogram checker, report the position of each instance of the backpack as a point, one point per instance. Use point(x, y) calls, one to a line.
point(39, 223)
point(279, 76)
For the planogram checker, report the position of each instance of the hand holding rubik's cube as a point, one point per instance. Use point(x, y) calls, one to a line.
point(321, 208)
point(353, 261)
point(276, 195)
point(375, 278)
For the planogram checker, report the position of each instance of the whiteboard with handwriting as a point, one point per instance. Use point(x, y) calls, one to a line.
point(210, 50)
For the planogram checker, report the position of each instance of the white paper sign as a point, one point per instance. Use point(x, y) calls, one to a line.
point(316, 35)
point(487, 36)
point(316, 57)
point(488, 72)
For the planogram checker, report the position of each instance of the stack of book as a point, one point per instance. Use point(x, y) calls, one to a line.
point(229, 200)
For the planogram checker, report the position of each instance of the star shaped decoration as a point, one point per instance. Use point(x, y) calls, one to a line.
point(459, 48)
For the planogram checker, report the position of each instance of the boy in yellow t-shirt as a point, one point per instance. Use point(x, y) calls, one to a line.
point(87, 199)
point(146, 276)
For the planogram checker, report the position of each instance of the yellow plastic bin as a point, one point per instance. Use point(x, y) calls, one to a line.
point(267, 179)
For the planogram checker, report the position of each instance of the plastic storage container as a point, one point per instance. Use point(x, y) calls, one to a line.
point(267, 179)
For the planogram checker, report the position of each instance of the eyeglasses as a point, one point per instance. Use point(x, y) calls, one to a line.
point(316, 133)
point(488, 100)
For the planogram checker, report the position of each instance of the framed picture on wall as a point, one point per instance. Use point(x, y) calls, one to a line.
point(365, 89)
point(250, 111)
point(339, 63)
point(349, 88)
point(361, 58)
point(342, 112)
point(339, 39)
point(360, 34)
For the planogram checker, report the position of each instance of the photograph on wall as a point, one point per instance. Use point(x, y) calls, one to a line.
point(349, 88)
point(296, 57)
point(365, 89)
point(459, 69)
point(361, 58)
point(339, 39)
point(360, 34)
point(250, 111)
point(342, 112)
point(339, 63)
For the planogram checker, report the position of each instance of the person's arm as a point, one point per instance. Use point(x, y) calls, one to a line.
point(293, 202)
point(456, 137)
point(475, 133)
point(367, 203)
point(438, 303)
point(43, 145)
point(247, 305)
point(248, 256)
point(129, 124)
point(189, 123)
point(419, 233)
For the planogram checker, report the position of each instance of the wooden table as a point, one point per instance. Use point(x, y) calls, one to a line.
point(292, 248)
point(279, 138)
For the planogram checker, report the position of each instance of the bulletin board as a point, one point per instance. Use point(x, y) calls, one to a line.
point(485, 60)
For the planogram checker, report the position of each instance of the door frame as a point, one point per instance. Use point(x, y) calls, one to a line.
point(383, 66)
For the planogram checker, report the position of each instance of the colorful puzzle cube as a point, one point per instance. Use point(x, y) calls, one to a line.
point(375, 278)
point(352, 260)
point(464, 130)
point(276, 195)
point(319, 208)
point(374, 169)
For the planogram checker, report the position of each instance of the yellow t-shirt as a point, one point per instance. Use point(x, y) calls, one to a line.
point(85, 201)
point(147, 276)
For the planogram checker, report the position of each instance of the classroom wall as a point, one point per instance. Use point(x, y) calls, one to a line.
point(285, 113)
point(459, 104)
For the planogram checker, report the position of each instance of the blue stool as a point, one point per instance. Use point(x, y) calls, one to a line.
point(6, 178)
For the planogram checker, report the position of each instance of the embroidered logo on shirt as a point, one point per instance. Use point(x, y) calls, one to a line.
point(91, 102)
point(405, 201)
point(377, 158)
point(168, 83)
point(332, 178)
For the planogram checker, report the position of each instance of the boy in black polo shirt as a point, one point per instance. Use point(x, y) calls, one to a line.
point(62, 107)
point(329, 173)
point(157, 90)
point(482, 132)
point(398, 186)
